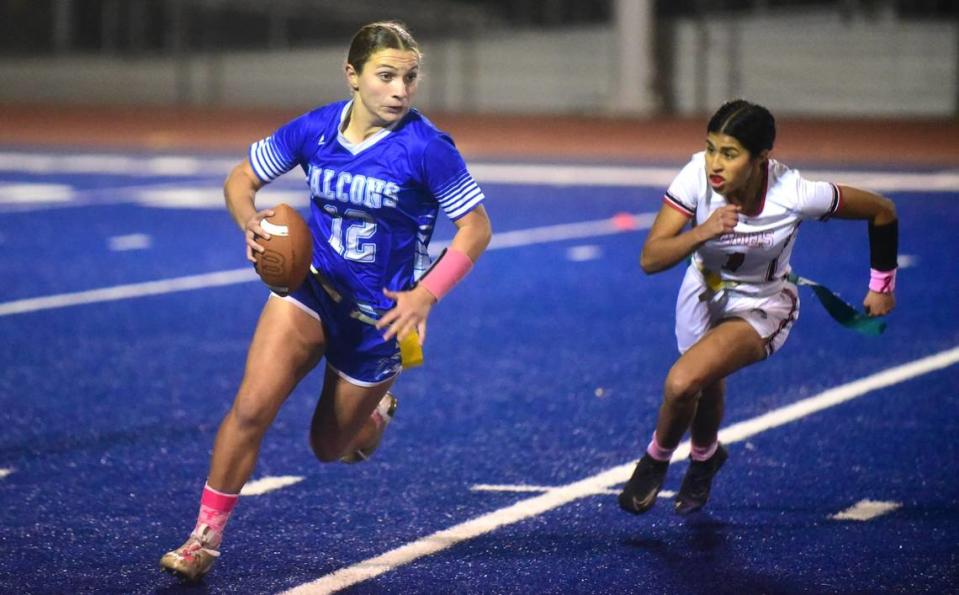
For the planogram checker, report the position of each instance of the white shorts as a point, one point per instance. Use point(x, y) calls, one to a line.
point(772, 316)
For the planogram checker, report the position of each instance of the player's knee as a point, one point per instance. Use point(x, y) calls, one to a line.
point(250, 417)
point(682, 387)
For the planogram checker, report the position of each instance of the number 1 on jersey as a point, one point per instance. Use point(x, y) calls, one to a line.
point(734, 261)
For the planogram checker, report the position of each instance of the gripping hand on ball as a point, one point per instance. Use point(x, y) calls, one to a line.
point(254, 231)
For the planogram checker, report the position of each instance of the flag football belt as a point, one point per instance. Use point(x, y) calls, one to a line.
point(838, 309)
point(411, 352)
point(715, 286)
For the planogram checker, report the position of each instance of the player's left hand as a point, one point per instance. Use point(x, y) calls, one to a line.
point(410, 312)
point(879, 304)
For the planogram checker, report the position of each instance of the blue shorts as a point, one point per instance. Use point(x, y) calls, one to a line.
point(354, 349)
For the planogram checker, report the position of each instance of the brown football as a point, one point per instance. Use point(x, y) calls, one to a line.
point(286, 261)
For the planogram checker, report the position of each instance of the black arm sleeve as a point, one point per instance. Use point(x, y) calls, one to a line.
point(884, 245)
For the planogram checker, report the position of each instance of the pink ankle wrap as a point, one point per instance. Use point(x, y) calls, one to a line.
point(448, 270)
point(217, 500)
point(882, 281)
point(215, 510)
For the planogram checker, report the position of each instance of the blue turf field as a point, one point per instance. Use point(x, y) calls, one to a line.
point(543, 369)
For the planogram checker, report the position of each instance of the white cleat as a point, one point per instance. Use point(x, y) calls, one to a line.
point(194, 558)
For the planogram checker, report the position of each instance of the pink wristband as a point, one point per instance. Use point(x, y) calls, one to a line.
point(882, 281)
point(446, 272)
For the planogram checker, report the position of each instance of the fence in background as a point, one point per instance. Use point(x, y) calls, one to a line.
point(820, 58)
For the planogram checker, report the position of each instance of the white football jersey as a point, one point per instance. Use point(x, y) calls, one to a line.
point(753, 259)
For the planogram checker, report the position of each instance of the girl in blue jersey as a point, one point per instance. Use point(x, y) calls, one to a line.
point(737, 304)
point(378, 173)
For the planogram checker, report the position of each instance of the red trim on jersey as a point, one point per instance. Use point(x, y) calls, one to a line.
point(836, 202)
point(670, 202)
point(787, 321)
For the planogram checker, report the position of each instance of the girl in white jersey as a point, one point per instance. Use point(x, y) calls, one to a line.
point(733, 213)
point(378, 173)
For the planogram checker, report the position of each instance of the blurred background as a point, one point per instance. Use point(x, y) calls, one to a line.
point(215, 73)
point(621, 57)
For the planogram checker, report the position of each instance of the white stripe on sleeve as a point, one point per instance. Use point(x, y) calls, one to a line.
point(460, 197)
point(267, 163)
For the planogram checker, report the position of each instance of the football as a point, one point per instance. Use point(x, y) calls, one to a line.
point(286, 260)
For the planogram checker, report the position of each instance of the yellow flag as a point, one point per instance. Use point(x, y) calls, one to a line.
point(411, 351)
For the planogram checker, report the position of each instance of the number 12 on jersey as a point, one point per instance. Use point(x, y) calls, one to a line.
point(347, 232)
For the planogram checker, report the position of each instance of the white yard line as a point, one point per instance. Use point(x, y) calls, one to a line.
point(542, 174)
point(130, 241)
point(506, 239)
point(556, 497)
point(486, 487)
point(27, 192)
point(865, 510)
point(112, 164)
point(123, 292)
point(265, 485)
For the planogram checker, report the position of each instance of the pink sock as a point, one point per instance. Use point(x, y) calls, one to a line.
point(658, 452)
point(702, 453)
point(215, 508)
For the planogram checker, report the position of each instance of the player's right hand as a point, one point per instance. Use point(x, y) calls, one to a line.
point(723, 220)
point(253, 231)
point(409, 313)
point(878, 304)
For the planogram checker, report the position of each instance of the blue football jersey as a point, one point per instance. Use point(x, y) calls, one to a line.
point(373, 204)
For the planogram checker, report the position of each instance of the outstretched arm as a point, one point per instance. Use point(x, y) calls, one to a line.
point(473, 233)
point(880, 212)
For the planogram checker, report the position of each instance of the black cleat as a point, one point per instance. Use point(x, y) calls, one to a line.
point(639, 493)
point(694, 492)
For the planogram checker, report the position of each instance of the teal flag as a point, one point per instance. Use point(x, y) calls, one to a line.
point(842, 312)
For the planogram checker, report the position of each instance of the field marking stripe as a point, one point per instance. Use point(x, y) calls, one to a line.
point(866, 510)
point(554, 498)
point(506, 239)
point(484, 487)
point(122, 292)
point(265, 485)
point(839, 394)
point(539, 174)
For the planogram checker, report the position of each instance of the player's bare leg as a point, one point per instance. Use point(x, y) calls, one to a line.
point(287, 344)
point(709, 413)
point(695, 381)
point(695, 398)
point(707, 455)
point(728, 347)
point(367, 440)
point(344, 419)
